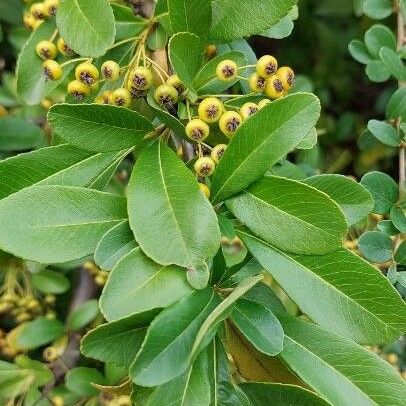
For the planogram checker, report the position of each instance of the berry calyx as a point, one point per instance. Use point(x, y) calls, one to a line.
point(267, 66)
point(51, 69)
point(248, 109)
point(166, 95)
point(210, 110)
point(217, 152)
point(105, 98)
point(110, 70)
point(38, 10)
point(229, 123)
point(227, 70)
point(78, 89)
point(86, 73)
point(175, 81)
point(139, 79)
point(51, 6)
point(197, 130)
point(287, 76)
point(263, 103)
point(205, 190)
point(274, 87)
point(46, 50)
point(256, 83)
point(63, 48)
point(204, 166)
point(121, 97)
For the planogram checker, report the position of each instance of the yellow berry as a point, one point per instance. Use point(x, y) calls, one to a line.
point(50, 354)
point(227, 70)
point(248, 109)
point(205, 166)
point(287, 76)
point(38, 10)
point(210, 110)
point(49, 299)
point(63, 47)
point(256, 83)
point(124, 400)
point(121, 97)
point(263, 103)
point(176, 83)
point(229, 123)
point(267, 66)
point(3, 111)
point(107, 97)
point(51, 6)
point(197, 130)
point(166, 95)
point(204, 189)
point(392, 358)
point(46, 50)
point(139, 79)
point(217, 152)
point(30, 21)
point(78, 89)
point(211, 51)
point(23, 317)
point(274, 87)
point(51, 69)
point(57, 401)
point(110, 70)
point(86, 73)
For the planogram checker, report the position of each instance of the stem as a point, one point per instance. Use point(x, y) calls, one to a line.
point(74, 60)
point(124, 41)
point(55, 33)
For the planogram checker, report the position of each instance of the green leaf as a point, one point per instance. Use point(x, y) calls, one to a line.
point(354, 200)
point(377, 71)
point(17, 134)
point(276, 394)
point(83, 315)
point(79, 380)
point(193, 16)
point(290, 215)
point(398, 218)
point(100, 128)
point(41, 373)
point(32, 86)
point(259, 326)
point(151, 286)
point(396, 106)
point(39, 332)
point(262, 141)
point(242, 18)
point(393, 63)
point(186, 52)
point(166, 353)
point(400, 254)
point(48, 281)
point(61, 165)
point(171, 219)
point(378, 9)
point(379, 36)
point(79, 25)
point(332, 290)
point(387, 227)
point(383, 189)
point(127, 23)
point(359, 51)
point(376, 246)
point(13, 380)
point(309, 141)
point(384, 132)
point(119, 341)
point(116, 243)
point(280, 30)
point(65, 223)
point(157, 39)
point(360, 377)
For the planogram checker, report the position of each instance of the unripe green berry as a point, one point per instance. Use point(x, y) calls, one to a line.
point(87, 73)
point(229, 123)
point(227, 70)
point(274, 87)
point(78, 89)
point(110, 70)
point(287, 76)
point(217, 152)
point(139, 79)
point(176, 83)
point(46, 50)
point(256, 83)
point(197, 130)
point(204, 189)
point(50, 354)
point(267, 66)
point(248, 109)
point(205, 166)
point(166, 95)
point(210, 110)
point(52, 70)
point(121, 97)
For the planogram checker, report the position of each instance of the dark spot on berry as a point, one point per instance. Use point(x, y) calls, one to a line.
point(228, 71)
point(107, 72)
point(278, 85)
point(205, 169)
point(270, 68)
point(252, 110)
point(140, 82)
point(291, 79)
point(87, 78)
point(212, 111)
point(78, 95)
point(233, 124)
point(197, 134)
point(48, 74)
point(261, 83)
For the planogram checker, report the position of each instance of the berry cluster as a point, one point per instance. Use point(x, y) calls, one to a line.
point(38, 12)
point(99, 276)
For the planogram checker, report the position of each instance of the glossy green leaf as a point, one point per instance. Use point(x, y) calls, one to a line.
point(400, 254)
point(65, 223)
point(127, 23)
point(384, 132)
point(309, 141)
point(360, 377)
point(78, 23)
point(376, 246)
point(280, 30)
point(378, 9)
point(397, 215)
point(354, 200)
point(13, 380)
point(17, 134)
point(171, 219)
point(290, 215)
point(116, 243)
point(387, 227)
point(262, 141)
point(100, 128)
point(48, 281)
point(377, 71)
point(79, 380)
point(359, 51)
point(83, 315)
point(42, 374)
point(379, 36)
point(137, 284)
point(396, 106)
point(393, 63)
point(332, 290)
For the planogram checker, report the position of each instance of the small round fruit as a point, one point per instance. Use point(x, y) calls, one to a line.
point(274, 87)
point(49, 299)
point(30, 21)
point(263, 103)
point(248, 109)
point(205, 166)
point(51, 6)
point(86, 73)
point(46, 104)
point(124, 400)
point(63, 47)
point(256, 83)
point(78, 89)
point(229, 123)
point(57, 401)
point(110, 70)
point(121, 97)
point(227, 70)
point(105, 98)
point(197, 130)
point(210, 110)
point(204, 189)
point(166, 95)
point(176, 83)
point(139, 79)
point(217, 152)
point(211, 51)
point(50, 354)
point(38, 10)
point(267, 66)
point(51, 69)
point(46, 50)
point(287, 76)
